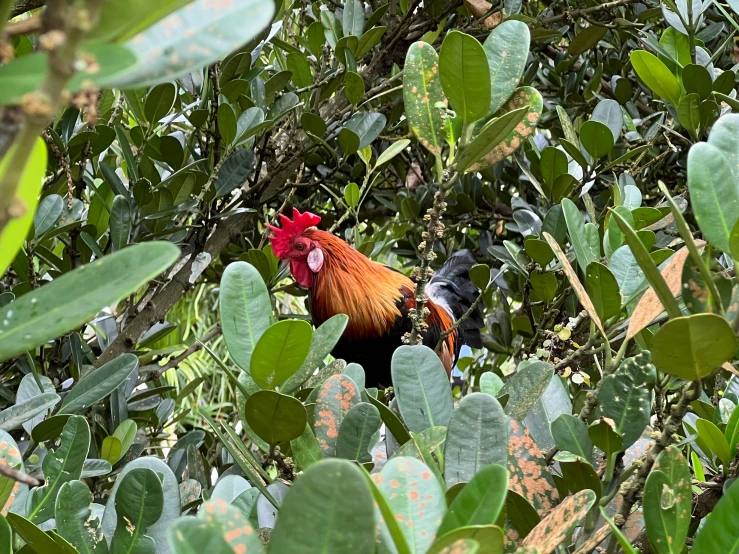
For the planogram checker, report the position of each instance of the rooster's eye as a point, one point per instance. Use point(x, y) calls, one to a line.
point(300, 246)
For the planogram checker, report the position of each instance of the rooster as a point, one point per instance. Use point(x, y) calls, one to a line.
point(377, 298)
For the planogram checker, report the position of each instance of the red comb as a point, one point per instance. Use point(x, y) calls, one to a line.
point(291, 228)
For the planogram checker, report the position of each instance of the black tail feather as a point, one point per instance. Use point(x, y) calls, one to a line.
point(454, 289)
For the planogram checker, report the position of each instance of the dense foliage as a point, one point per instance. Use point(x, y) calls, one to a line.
point(160, 385)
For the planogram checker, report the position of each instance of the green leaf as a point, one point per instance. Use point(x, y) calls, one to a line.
point(246, 311)
point(6, 536)
point(328, 509)
point(235, 171)
point(353, 21)
point(189, 32)
point(552, 164)
point(596, 138)
point(275, 417)
point(48, 213)
point(464, 74)
point(126, 433)
point(481, 539)
point(714, 439)
point(120, 222)
point(421, 93)
point(74, 522)
point(586, 39)
point(337, 396)
point(139, 504)
point(111, 449)
point(360, 423)
point(324, 339)
point(721, 529)
point(33, 536)
point(605, 437)
point(603, 290)
point(299, 66)
point(61, 466)
point(688, 113)
point(76, 297)
point(351, 195)
point(691, 347)
point(480, 501)
point(571, 434)
point(171, 509)
point(98, 384)
point(625, 397)
point(620, 537)
point(369, 40)
point(15, 416)
point(353, 87)
point(421, 387)
point(367, 126)
point(610, 114)
point(578, 237)
point(26, 194)
point(697, 80)
point(506, 48)
point(646, 263)
point(391, 151)
point(492, 134)
point(414, 497)
point(667, 502)
point(122, 19)
point(477, 437)
point(525, 387)
point(656, 76)
point(714, 193)
point(226, 123)
point(280, 352)
point(159, 102)
point(349, 141)
point(732, 433)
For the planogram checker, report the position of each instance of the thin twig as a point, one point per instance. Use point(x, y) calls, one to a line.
point(175, 362)
point(19, 476)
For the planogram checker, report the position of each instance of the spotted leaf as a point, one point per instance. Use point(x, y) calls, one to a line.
point(10, 456)
point(554, 528)
point(337, 396)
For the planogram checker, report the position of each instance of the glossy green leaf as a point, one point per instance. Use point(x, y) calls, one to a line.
point(353, 87)
point(421, 93)
point(13, 417)
point(76, 297)
point(586, 39)
point(578, 237)
point(48, 213)
point(688, 113)
point(33, 536)
point(697, 80)
point(506, 48)
point(714, 439)
point(328, 509)
point(336, 397)
point(121, 19)
point(603, 290)
point(605, 437)
point(714, 193)
point(323, 341)
point(74, 520)
point(656, 76)
point(280, 352)
point(421, 388)
point(246, 311)
point(275, 417)
point(139, 504)
point(691, 347)
point(6, 536)
point(480, 501)
point(477, 437)
point(596, 138)
point(159, 102)
point(98, 384)
point(60, 466)
point(367, 126)
point(571, 434)
point(464, 74)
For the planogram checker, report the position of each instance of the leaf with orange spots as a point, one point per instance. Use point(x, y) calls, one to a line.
point(477, 437)
point(522, 517)
point(10, 456)
point(232, 525)
point(461, 546)
point(489, 537)
point(421, 94)
point(528, 474)
point(555, 528)
point(328, 509)
point(415, 498)
point(336, 397)
point(667, 502)
point(531, 103)
point(190, 535)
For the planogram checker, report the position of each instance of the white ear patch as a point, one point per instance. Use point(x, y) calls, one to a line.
point(315, 260)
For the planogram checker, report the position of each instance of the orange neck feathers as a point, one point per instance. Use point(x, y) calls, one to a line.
point(354, 285)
